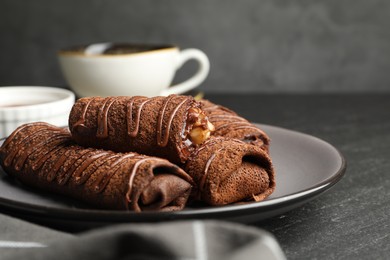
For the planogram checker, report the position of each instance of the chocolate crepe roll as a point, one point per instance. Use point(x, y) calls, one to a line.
point(45, 157)
point(168, 127)
point(228, 170)
point(228, 124)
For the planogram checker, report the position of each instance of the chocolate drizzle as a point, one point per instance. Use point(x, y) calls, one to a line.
point(210, 142)
point(136, 122)
point(81, 175)
point(45, 157)
point(227, 123)
point(22, 153)
point(202, 181)
point(232, 121)
point(67, 161)
point(102, 180)
point(29, 151)
point(158, 126)
point(81, 122)
point(38, 163)
point(237, 126)
point(162, 137)
point(102, 130)
point(228, 170)
point(131, 179)
point(134, 109)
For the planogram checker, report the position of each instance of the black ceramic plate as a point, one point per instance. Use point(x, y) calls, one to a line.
point(305, 167)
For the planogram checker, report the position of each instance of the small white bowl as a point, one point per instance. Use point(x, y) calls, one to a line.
point(25, 104)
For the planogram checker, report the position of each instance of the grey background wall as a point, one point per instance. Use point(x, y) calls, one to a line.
point(259, 46)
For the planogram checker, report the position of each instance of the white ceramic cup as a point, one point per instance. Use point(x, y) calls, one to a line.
point(101, 69)
point(25, 104)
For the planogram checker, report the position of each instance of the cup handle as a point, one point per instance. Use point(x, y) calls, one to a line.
point(194, 81)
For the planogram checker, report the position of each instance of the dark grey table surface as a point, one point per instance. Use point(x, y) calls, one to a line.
point(352, 219)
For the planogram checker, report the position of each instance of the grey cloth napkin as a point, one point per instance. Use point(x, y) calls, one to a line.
point(167, 240)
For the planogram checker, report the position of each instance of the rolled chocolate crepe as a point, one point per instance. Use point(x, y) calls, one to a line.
point(45, 157)
point(168, 127)
point(228, 123)
point(228, 170)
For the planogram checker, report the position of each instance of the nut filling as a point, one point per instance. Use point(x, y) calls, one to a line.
point(198, 127)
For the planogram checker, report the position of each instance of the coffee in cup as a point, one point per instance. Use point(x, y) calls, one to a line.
point(113, 69)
